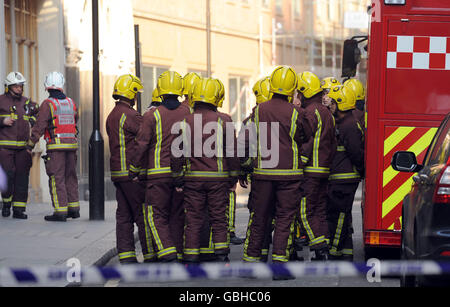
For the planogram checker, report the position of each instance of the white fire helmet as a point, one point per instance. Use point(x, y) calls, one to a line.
point(15, 78)
point(54, 80)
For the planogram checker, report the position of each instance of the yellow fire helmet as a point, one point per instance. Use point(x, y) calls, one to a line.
point(221, 93)
point(357, 87)
point(189, 80)
point(283, 81)
point(309, 84)
point(155, 96)
point(329, 82)
point(170, 83)
point(127, 86)
point(343, 96)
point(261, 89)
point(205, 90)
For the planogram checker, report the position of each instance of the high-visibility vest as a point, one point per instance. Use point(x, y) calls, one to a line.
point(63, 123)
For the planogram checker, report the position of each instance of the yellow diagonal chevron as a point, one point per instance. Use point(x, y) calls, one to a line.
point(399, 134)
point(418, 147)
point(397, 196)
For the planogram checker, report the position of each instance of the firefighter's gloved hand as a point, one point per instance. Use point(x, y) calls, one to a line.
point(243, 181)
point(134, 176)
point(178, 183)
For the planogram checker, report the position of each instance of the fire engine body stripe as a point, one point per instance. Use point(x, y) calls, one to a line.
point(418, 147)
point(396, 184)
point(399, 134)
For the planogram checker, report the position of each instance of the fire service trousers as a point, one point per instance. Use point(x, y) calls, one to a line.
point(313, 212)
point(17, 165)
point(165, 215)
point(340, 203)
point(130, 211)
point(201, 197)
point(285, 197)
point(63, 182)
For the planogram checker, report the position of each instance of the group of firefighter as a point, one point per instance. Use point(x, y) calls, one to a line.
point(22, 123)
point(183, 199)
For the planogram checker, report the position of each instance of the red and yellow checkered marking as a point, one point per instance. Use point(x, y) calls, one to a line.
point(396, 184)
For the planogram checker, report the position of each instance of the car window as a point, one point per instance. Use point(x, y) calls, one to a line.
point(440, 147)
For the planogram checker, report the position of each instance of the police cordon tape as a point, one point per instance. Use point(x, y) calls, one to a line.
point(172, 272)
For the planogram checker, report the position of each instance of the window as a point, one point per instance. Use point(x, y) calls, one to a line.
point(150, 75)
point(317, 51)
point(22, 50)
point(265, 3)
point(338, 51)
point(440, 147)
point(279, 6)
point(329, 54)
point(296, 7)
point(238, 90)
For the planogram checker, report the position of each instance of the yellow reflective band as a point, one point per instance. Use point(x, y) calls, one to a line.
point(8, 199)
point(122, 145)
point(126, 255)
point(153, 228)
point(158, 139)
point(207, 174)
point(231, 205)
point(337, 235)
point(315, 154)
point(148, 235)
point(62, 145)
point(119, 173)
point(292, 132)
point(343, 176)
point(166, 251)
point(19, 204)
point(161, 170)
point(221, 245)
point(54, 195)
point(13, 143)
point(321, 170)
point(73, 204)
point(219, 145)
point(247, 237)
point(280, 258)
point(191, 251)
point(340, 148)
point(308, 229)
point(278, 172)
point(206, 250)
point(251, 259)
point(304, 159)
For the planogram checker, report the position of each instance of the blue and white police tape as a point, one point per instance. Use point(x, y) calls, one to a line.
point(171, 272)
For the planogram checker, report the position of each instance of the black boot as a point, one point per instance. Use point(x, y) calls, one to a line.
point(19, 214)
point(222, 258)
point(6, 210)
point(55, 218)
point(235, 240)
point(73, 215)
point(322, 254)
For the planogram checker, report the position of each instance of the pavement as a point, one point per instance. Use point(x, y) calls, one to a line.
point(36, 242)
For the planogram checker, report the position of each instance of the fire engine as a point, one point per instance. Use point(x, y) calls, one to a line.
point(408, 95)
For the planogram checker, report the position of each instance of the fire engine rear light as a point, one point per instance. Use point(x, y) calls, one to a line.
point(445, 253)
point(395, 2)
point(442, 195)
point(445, 179)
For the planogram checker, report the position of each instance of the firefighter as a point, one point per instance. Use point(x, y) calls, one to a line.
point(326, 85)
point(319, 152)
point(156, 100)
point(359, 111)
point(277, 176)
point(188, 82)
point(17, 113)
point(210, 172)
point(232, 193)
point(122, 126)
point(261, 90)
point(164, 204)
point(345, 174)
point(57, 121)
